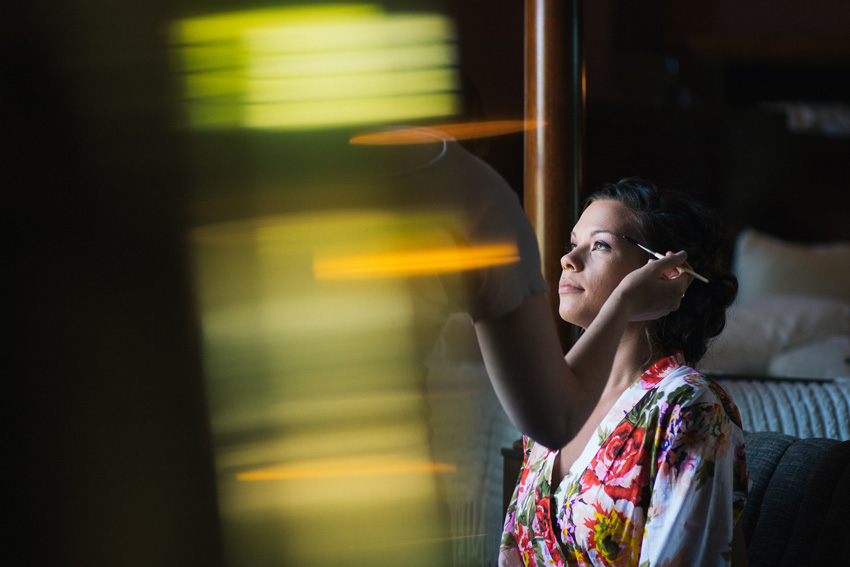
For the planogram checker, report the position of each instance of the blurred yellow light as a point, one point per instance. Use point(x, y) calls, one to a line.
point(414, 262)
point(364, 60)
point(215, 85)
point(373, 110)
point(315, 389)
point(214, 113)
point(328, 87)
point(211, 58)
point(371, 28)
point(231, 25)
point(348, 468)
point(316, 67)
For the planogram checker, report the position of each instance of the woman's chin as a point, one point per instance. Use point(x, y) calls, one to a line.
point(572, 318)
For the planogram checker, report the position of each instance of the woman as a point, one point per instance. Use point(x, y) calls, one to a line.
point(655, 472)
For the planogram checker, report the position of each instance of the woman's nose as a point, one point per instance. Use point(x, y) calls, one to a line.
point(571, 260)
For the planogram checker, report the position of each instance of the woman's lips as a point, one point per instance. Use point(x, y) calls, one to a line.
point(566, 287)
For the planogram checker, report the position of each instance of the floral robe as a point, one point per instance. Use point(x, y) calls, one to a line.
point(662, 482)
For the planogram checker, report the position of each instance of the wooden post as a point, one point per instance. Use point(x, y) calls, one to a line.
point(554, 151)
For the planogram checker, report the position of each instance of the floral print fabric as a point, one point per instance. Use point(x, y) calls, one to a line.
point(662, 482)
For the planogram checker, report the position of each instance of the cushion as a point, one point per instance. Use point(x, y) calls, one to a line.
point(763, 328)
point(767, 265)
point(826, 358)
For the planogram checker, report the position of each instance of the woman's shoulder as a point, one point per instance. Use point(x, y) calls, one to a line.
point(688, 384)
point(686, 387)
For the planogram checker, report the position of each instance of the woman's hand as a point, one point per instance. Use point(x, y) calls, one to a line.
point(656, 289)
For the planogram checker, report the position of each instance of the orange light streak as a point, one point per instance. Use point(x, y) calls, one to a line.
point(414, 262)
point(430, 134)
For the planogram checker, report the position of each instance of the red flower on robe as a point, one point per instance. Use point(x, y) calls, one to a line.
point(618, 463)
point(542, 526)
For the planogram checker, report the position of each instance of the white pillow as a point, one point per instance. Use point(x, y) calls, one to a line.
point(767, 265)
point(759, 330)
point(827, 358)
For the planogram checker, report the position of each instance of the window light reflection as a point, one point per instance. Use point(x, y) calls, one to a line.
point(316, 67)
point(321, 432)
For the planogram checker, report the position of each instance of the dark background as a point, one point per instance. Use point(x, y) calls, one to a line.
point(678, 93)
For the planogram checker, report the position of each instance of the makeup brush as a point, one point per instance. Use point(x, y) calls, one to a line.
point(660, 256)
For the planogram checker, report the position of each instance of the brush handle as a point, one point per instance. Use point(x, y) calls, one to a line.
point(634, 242)
point(694, 274)
point(686, 270)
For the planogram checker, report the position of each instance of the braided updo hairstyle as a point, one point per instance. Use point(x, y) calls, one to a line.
point(666, 219)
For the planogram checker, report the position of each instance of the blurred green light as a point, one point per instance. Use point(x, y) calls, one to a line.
point(373, 110)
point(359, 86)
point(316, 67)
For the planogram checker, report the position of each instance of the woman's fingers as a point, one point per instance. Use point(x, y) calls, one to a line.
point(652, 295)
point(670, 263)
point(677, 272)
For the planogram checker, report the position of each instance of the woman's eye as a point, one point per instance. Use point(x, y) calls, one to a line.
point(599, 245)
point(571, 246)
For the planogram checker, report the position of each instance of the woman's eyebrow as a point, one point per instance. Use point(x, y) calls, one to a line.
point(612, 233)
point(598, 231)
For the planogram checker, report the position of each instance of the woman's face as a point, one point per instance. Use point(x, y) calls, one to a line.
point(597, 261)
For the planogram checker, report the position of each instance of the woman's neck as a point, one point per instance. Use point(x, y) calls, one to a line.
point(637, 352)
